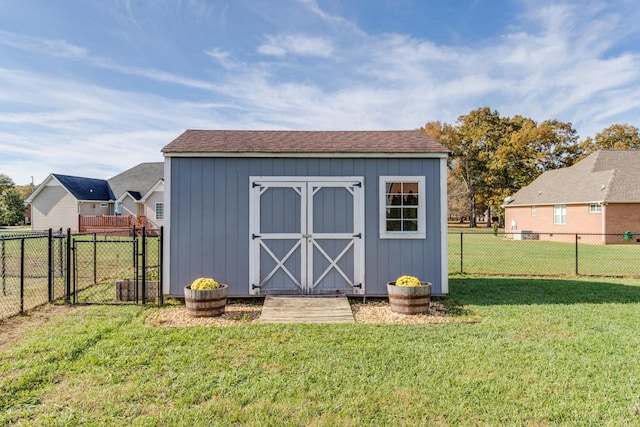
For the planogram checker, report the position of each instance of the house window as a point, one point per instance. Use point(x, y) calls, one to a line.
point(560, 214)
point(104, 205)
point(533, 210)
point(402, 207)
point(159, 210)
point(595, 208)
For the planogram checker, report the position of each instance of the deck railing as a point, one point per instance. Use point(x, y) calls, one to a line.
point(111, 222)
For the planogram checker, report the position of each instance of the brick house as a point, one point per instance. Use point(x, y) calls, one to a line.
point(599, 195)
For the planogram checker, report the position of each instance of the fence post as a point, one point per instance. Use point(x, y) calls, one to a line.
point(95, 259)
point(67, 293)
point(144, 265)
point(577, 255)
point(3, 273)
point(160, 266)
point(461, 251)
point(22, 276)
point(136, 269)
point(60, 257)
point(50, 264)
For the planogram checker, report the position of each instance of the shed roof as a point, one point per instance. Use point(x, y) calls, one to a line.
point(303, 142)
point(86, 188)
point(607, 176)
point(137, 180)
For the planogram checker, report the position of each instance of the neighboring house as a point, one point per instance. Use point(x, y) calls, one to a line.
point(305, 212)
point(88, 204)
point(139, 192)
point(61, 199)
point(600, 195)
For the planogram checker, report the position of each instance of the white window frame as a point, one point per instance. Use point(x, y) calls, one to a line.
point(560, 214)
point(420, 233)
point(595, 208)
point(104, 205)
point(162, 209)
point(533, 210)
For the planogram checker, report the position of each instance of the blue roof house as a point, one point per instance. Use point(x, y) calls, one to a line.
point(60, 199)
point(134, 197)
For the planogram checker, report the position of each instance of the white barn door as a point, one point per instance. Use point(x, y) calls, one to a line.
point(306, 235)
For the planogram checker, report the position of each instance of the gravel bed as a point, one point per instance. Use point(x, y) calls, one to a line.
point(239, 313)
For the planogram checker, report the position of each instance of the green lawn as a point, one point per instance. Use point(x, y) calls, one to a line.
point(544, 352)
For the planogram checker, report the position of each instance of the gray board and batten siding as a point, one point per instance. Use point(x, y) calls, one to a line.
point(214, 179)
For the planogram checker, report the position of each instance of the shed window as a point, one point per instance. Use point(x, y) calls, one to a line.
point(595, 208)
point(159, 210)
point(560, 214)
point(402, 207)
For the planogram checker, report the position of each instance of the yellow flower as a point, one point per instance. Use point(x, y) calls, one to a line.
point(204, 284)
point(408, 281)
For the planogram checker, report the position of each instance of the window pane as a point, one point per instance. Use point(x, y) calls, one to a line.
point(411, 199)
point(409, 225)
point(394, 187)
point(395, 200)
point(159, 210)
point(410, 187)
point(393, 213)
point(560, 214)
point(394, 225)
point(410, 213)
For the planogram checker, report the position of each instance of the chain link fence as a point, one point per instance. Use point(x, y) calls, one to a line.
point(32, 271)
point(106, 267)
point(112, 268)
point(544, 254)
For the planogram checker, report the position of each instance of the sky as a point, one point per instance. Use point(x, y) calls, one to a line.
point(93, 87)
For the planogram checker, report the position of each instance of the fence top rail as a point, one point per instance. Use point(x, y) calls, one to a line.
point(22, 235)
point(554, 233)
point(101, 240)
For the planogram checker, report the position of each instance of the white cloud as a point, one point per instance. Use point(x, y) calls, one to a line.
point(50, 47)
point(224, 58)
point(86, 130)
point(284, 44)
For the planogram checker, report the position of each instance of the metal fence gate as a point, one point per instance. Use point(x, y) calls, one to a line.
point(116, 269)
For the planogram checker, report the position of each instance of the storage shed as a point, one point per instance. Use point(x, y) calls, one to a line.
point(305, 212)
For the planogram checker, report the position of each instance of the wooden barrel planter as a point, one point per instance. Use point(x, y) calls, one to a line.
point(409, 299)
point(205, 303)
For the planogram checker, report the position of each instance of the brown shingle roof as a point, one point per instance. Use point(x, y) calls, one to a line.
point(276, 141)
point(607, 176)
point(139, 178)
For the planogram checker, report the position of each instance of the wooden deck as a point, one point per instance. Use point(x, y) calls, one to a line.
point(99, 223)
point(306, 310)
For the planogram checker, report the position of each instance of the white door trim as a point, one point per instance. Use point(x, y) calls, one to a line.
point(304, 186)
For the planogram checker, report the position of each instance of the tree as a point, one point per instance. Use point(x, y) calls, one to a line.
point(25, 190)
point(457, 202)
point(11, 207)
point(493, 157)
point(5, 183)
point(615, 137)
point(525, 151)
point(557, 146)
point(470, 143)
